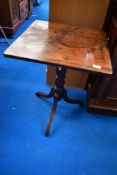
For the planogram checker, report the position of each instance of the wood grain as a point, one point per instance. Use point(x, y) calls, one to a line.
point(83, 13)
point(60, 44)
point(86, 13)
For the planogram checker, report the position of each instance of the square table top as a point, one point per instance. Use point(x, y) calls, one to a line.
point(64, 45)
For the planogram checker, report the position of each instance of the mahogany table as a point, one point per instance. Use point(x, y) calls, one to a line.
point(65, 47)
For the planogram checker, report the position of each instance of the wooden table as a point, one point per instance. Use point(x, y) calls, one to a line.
point(66, 47)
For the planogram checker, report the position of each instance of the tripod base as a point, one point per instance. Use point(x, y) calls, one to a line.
point(58, 93)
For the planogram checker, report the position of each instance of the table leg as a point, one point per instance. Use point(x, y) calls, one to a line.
point(71, 100)
point(41, 94)
point(51, 117)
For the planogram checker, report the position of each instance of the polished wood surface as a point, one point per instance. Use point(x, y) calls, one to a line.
point(83, 13)
point(59, 44)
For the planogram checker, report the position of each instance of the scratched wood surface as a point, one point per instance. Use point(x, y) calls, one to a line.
point(60, 44)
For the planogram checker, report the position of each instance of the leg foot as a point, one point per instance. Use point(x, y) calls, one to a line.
point(72, 101)
point(41, 94)
point(51, 117)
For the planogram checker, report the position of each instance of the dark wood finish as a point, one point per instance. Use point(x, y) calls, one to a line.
point(103, 96)
point(13, 13)
point(112, 34)
point(83, 13)
point(103, 92)
point(74, 78)
point(63, 46)
point(59, 44)
point(58, 93)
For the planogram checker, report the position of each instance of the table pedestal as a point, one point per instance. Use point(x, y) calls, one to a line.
point(58, 92)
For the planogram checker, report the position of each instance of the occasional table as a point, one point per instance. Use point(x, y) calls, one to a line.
point(65, 47)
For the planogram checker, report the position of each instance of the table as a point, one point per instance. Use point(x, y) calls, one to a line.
point(65, 47)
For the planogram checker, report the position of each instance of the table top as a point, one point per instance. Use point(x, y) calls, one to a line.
point(60, 44)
